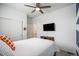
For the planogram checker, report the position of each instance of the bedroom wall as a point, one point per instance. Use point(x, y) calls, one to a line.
point(65, 22)
point(14, 14)
point(29, 27)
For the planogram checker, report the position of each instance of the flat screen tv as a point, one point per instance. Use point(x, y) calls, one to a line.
point(49, 27)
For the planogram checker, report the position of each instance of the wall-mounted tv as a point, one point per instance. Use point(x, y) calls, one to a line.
point(49, 27)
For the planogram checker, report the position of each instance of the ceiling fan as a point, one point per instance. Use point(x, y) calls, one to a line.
point(38, 7)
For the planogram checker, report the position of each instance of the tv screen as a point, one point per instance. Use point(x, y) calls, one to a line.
point(49, 27)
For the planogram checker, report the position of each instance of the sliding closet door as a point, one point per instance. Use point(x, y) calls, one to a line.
point(11, 28)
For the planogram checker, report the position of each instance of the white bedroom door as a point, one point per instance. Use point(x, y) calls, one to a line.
point(11, 28)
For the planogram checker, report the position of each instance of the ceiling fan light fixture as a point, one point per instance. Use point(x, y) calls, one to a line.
point(37, 9)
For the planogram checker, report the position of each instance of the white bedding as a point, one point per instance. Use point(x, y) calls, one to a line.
point(34, 47)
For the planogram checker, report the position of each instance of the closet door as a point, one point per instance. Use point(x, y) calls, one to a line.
point(11, 28)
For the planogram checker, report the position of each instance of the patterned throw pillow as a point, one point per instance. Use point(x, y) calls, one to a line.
point(8, 41)
point(5, 50)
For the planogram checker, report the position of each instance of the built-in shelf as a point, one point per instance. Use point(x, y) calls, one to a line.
point(47, 37)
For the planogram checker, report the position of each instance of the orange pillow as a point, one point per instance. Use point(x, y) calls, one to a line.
point(8, 41)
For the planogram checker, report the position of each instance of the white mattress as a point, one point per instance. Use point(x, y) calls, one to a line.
point(34, 47)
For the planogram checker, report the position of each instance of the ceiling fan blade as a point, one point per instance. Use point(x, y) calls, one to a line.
point(30, 6)
point(41, 11)
point(37, 4)
point(45, 7)
point(33, 11)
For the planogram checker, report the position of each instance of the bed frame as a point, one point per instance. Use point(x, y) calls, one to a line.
point(47, 37)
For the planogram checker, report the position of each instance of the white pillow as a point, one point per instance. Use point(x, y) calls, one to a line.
point(5, 50)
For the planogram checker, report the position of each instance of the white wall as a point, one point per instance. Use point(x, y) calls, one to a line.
point(11, 28)
point(65, 22)
point(29, 27)
point(13, 14)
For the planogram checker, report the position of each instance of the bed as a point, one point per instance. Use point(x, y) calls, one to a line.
point(35, 47)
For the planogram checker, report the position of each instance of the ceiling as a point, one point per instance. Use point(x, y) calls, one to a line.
point(27, 10)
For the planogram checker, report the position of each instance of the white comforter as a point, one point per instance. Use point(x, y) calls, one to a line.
point(34, 47)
